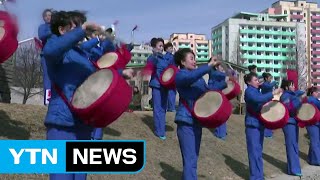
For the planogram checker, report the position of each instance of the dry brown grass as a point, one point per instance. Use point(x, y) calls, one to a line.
point(218, 159)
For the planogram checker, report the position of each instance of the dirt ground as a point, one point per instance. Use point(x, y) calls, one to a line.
point(218, 159)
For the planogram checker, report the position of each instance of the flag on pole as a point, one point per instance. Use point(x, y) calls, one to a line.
point(38, 43)
point(135, 28)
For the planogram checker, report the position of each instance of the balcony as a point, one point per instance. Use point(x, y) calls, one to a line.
point(315, 53)
point(283, 58)
point(315, 66)
point(315, 74)
point(202, 59)
point(315, 17)
point(248, 48)
point(251, 31)
point(202, 53)
point(296, 16)
point(202, 47)
point(315, 38)
point(315, 45)
point(315, 59)
point(315, 80)
point(315, 31)
point(255, 40)
point(315, 24)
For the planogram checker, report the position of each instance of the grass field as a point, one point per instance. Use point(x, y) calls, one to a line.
point(218, 159)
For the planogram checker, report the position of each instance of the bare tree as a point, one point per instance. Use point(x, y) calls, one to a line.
point(27, 70)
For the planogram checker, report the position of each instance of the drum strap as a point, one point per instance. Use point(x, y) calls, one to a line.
point(64, 98)
point(184, 102)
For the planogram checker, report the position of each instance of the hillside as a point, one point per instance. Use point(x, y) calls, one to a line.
point(218, 159)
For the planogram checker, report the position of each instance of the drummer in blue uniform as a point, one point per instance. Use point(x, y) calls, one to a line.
point(168, 47)
point(190, 86)
point(68, 67)
point(159, 92)
point(254, 128)
point(314, 130)
point(291, 130)
point(266, 87)
point(218, 81)
point(44, 32)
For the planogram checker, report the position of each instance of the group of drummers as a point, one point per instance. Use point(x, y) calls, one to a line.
point(75, 51)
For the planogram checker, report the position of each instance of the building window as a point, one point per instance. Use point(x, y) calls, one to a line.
point(267, 53)
point(259, 61)
point(192, 45)
point(250, 36)
point(267, 36)
point(259, 44)
point(275, 54)
point(275, 70)
point(285, 12)
point(301, 4)
point(267, 45)
point(304, 14)
point(275, 62)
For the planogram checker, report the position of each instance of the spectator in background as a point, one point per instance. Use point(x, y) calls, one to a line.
point(168, 47)
point(44, 32)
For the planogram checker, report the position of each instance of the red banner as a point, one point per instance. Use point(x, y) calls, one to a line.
point(292, 75)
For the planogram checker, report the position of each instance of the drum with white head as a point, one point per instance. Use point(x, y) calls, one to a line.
point(212, 109)
point(8, 36)
point(233, 89)
point(102, 98)
point(307, 114)
point(118, 59)
point(167, 78)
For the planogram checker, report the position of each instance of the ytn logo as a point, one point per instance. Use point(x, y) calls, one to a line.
point(105, 156)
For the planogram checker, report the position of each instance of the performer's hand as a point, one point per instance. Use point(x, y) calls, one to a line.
point(277, 91)
point(227, 78)
point(213, 61)
point(92, 26)
point(128, 73)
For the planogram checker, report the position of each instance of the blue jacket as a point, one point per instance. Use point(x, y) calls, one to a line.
point(316, 102)
point(292, 102)
point(254, 101)
point(68, 67)
point(267, 87)
point(169, 58)
point(217, 80)
point(160, 65)
point(190, 86)
point(94, 51)
point(44, 32)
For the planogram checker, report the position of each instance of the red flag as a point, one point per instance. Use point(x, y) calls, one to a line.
point(135, 28)
point(292, 75)
point(38, 43)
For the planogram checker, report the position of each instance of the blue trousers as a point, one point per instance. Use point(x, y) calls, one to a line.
point(291, 134)
point(172, 100)
point(254, 137)
point(97, 134)
point(189, 140)
point(46, 80)
point(78, 132)
point(160, 101)
point(268, 132)
point(314, 148)
point(221, 131)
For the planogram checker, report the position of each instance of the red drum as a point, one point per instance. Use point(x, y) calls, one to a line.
point(308, 114)
point(102, 98)
point(167, 78)
point(212, 109)
point(274, 115)
point(8, 36)
point(118, 59)
point(233, 89)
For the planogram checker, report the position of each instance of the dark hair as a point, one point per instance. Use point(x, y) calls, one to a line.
point(109, 30)
point(285, 84)
point(167, 45)
point(252, 67)
point(181, 54)
point(266, 75)
point(154, 41)
point(311, 90)
point(59, 18)
point(78, 17)
point(248, 77)
point(44, 12)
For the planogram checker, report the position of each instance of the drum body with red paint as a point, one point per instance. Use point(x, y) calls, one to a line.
point(102, 98)
point(274, 115)
point(308, 114)
point(233, 89)
point(167, 78)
